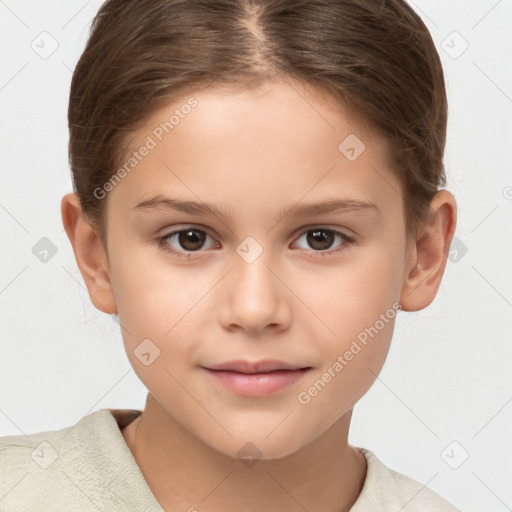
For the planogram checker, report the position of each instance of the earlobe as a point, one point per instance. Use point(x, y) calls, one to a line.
point(90, 254)
point(430, 253)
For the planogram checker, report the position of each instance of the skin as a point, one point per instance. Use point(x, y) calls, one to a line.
point(253, 153)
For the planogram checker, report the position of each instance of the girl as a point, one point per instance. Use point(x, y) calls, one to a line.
point(256, 197)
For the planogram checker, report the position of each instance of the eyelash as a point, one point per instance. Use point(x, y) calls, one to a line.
point(345, 245)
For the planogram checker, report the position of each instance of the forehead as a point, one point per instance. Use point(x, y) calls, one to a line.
point(265, 144)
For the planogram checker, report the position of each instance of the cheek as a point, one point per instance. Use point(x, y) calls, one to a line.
point(352, 296)
point(158, 304)
point(356, 307)
point(161, 311)
point(351, 359)
point(152, 293)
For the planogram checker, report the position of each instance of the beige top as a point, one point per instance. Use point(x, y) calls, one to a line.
point(89, 467)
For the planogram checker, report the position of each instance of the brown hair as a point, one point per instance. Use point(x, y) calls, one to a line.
point(375, 55)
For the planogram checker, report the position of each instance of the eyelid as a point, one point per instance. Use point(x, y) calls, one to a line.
point(311, 227)
point(169, 230)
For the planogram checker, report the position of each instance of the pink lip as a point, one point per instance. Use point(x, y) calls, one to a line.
point(256, 379)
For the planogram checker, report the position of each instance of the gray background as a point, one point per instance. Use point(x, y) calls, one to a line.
point(445, 391)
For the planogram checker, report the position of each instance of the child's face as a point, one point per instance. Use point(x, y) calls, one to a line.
point(261, 284)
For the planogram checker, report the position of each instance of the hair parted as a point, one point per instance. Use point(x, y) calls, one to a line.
point(376, 56)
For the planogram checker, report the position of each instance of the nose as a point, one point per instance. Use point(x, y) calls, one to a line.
point(255, 298)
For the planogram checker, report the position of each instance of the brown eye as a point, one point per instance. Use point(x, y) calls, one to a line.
point(321, 242)
point(186, 241)
point(320, 239)
point(191, 239)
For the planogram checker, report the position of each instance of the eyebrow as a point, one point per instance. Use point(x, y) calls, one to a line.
point(298, 210)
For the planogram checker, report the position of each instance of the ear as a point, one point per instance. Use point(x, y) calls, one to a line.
point(90, 254)
point(429, 253)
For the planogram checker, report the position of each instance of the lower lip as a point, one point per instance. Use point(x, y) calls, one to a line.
point(256, 384)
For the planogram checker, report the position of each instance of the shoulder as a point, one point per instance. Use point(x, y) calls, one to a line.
point(80, 467)
point(387, 490)
point(34, 456)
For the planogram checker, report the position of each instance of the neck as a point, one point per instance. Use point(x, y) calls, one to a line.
point(185, 473)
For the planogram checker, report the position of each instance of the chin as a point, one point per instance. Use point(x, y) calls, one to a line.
point(252, 445)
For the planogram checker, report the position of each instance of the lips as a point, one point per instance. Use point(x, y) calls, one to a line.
point(255, 379)
point(247, 367)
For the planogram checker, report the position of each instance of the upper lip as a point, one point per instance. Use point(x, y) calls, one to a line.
point(266, 365)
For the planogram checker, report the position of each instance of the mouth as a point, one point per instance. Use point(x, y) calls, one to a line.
point(263, 366)
point(256, 379)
